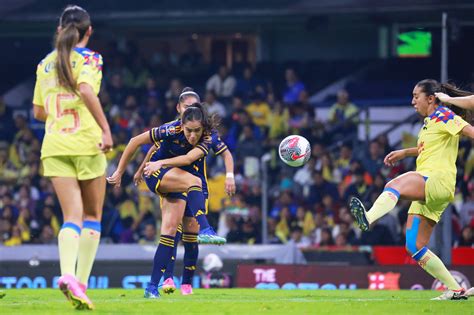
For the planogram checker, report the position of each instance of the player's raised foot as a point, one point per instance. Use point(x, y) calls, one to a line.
point(451, 295)
point(186, 289)
point(151, 291)
point(168, 286)
point(358, 212)
point(70, 287)
point(209, 236)
point(469, 292)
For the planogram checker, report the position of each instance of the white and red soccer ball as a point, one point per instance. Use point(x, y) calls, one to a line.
point(294, 150)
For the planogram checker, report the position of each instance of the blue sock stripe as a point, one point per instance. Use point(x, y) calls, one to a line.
point(71, 225)
point(393, 191)
point(417, 256)
point(412, 233)
point(93, 225)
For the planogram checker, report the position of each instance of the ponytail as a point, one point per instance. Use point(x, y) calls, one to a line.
point(66, 40)
point(430, 86)
point(73, 25)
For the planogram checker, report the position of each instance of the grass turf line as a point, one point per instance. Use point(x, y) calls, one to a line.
point(237, 301)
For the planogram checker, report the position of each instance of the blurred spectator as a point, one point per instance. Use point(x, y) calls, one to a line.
point(7, 127)
point(191, 58)
point(320, 188)
point(343, 115)
point(222, 83)
point(213, 105)
point(247, 84)
point(47, 235)
point(273, 237)
point(345, 157)
point(358, 188)
point(279, 118)
point(373, 162)
point(466, 213)
point(149, 235)
point(259, 110)
point(116, 90)
point(297, 238)
point(326, 237)
point(15, 238)
point(293, 87)
point(137, 76)
point(174, 90)
point(287, 201)
point(384, 143)
point(467, 237)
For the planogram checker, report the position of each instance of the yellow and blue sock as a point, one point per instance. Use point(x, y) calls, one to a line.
point(191, 253)
point(435, 267)
point(427, 259)
point(88, 244)
point(162, 257)
point(68, 244)
point(170, 268)
point(383, 204)
point(197, 204)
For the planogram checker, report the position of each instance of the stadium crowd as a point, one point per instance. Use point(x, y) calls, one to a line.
point(308, 205)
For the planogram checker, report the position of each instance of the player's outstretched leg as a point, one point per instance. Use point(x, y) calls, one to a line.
point(209, 236)
point(359, 214)
point(196, 203)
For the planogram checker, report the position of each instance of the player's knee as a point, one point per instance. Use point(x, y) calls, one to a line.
point(394, 183)
point(195, 181)
point(169, 228)
point(413, 246)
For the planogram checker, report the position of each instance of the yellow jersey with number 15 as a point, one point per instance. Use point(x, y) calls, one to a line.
point(70, 127)
point(438, 143)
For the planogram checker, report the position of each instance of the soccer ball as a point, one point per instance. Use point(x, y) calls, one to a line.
point(294, 150)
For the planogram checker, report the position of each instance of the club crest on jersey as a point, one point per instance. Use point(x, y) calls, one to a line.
point(170, 130)
point(49, 66)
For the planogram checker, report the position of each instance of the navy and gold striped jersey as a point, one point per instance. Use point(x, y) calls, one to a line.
point(199, 168)
point(168, 149)
point(170, 139)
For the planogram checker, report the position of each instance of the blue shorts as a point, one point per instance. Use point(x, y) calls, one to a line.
point(153, 182)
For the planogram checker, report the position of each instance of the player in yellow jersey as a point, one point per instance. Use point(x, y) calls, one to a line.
point(77, 136)
point(430, 187)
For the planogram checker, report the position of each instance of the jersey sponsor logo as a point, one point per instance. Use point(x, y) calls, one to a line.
point(421, 147)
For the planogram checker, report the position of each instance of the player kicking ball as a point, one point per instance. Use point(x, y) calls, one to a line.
point(431, 186)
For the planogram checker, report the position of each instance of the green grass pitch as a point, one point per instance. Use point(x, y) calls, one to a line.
point(237, 301)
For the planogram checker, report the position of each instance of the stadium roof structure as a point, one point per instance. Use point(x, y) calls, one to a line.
point(27, 18)
point(37, 10)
